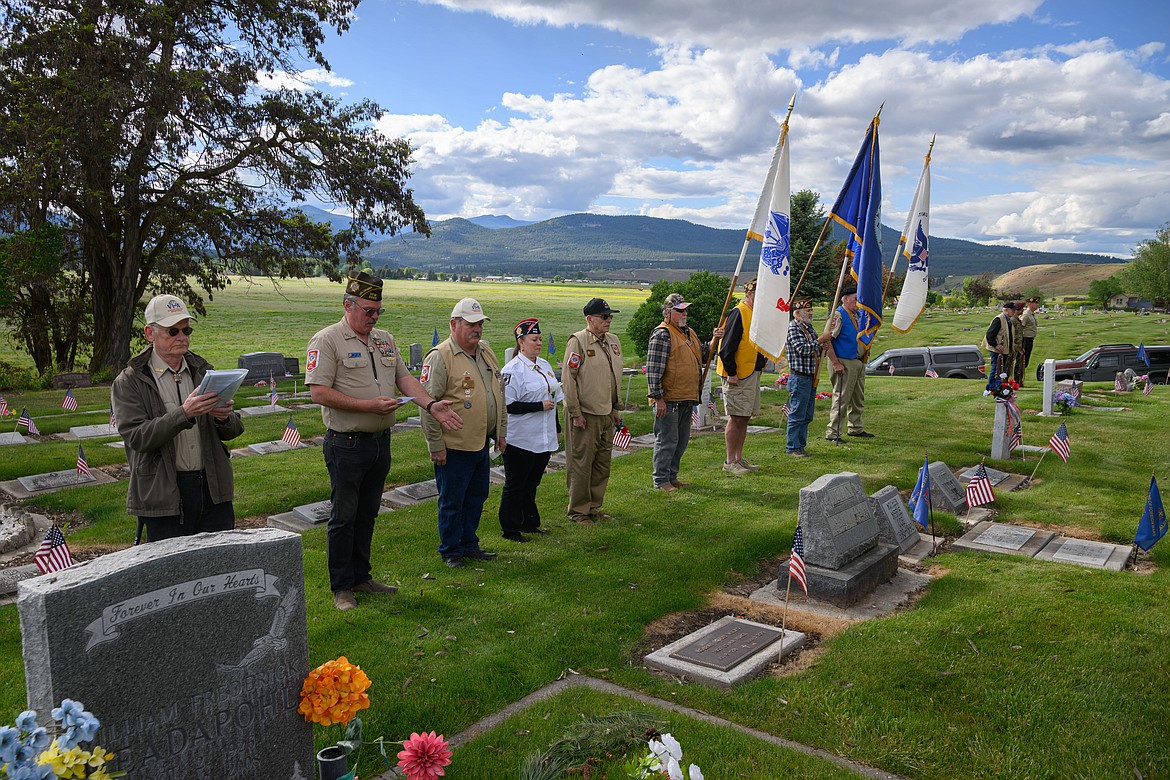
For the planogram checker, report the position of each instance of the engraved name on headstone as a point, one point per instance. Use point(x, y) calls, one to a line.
point(729, 646)
point(1006, 536)
point(895, 526)
point(55, 480)
point(995, 475)
point(269, 447)
point(945, 491)
point(314, 513)
point(838, 523)
point(191, 652)
point(261, 365)
point(1084, 552)
point(93, 431)
point(419, 491)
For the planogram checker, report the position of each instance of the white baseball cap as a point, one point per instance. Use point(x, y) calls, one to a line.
point(166, 310)
point(469, 310)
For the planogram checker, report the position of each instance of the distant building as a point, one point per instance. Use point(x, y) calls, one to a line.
point(1130, 302)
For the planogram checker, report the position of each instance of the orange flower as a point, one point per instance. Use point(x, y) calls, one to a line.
point(334, 692)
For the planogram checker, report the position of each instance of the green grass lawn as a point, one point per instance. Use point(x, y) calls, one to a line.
point(1006, 667)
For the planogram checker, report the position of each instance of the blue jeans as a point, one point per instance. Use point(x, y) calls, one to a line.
point(463, 487)
point(801, 400)
point(358, 464)
point(672, 433)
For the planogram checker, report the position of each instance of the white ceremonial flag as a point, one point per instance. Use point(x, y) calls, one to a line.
point(913, 246)
point(770, 314)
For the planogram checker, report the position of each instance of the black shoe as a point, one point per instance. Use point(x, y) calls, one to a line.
point(515, 538)
point(862, 435)
point(481, 555)
point(454, 562)
point(535, 530)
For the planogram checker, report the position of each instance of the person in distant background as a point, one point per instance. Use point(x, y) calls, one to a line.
point(740, 363)
point(531, 394)
point(999, 341)
point(181, 480)
point(1029, 327)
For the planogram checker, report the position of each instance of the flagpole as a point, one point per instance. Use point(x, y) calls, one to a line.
point(1037, 465)
point(784, 615)
point(902, 239)
point(765, 192)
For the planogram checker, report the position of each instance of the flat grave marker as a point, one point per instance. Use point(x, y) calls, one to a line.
point(1005, 539)
point(1084, 552)
point(726, 652)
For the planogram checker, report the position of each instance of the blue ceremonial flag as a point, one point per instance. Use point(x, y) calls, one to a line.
point(552, 348)
point(1153, 523)
point(1142, 356)
point(859, 210)
point(919, 502)
point(435, 338)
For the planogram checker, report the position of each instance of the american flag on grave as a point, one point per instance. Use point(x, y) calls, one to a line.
point(979, 490)
point(3, 406)
point(695, 417)
point(1059, 442)
point(785, 410)
point(622, 438)
point(796, 561)
point(930, 372)
point(82, 465)
point(1149, 388)
point(1015, 431)
point(69, 401)
point(53, 554)
point(291, 436)
point(26, 421)
point(273, 396)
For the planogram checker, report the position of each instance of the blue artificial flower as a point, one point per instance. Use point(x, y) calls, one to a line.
point(9, 740)
point(30, 771)
point(39, 738)
point(80, 726)
point(27, 720)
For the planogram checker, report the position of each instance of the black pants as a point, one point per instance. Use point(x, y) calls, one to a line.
point(358, 464)
point(523, 471)
point(197, 512)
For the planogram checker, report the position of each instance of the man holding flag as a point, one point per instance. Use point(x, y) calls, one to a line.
point(804, 353)
point(740, 363)
point(848, 366)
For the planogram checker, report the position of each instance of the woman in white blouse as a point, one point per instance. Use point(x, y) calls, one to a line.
point(531, 394)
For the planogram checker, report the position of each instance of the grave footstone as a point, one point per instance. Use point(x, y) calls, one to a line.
point(55, 480)
point(261, 365)
point(419, 491)
point(945, 491)
point(1084, 552)
point(844, 558)
point(14, 438)
point(726, 652)
point(256, 411)
point(1003, 538)
point(93, 431)
point(269, 447)
point(315, 513)
point(191, 652)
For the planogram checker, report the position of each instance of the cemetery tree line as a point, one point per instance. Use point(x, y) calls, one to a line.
point(139, 128)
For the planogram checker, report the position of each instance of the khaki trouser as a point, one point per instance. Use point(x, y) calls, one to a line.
point(588, 453)
point(848, 397)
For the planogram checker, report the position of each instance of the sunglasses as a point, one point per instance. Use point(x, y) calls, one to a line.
point(172, 332)
point(370, 312)
point(604, 316)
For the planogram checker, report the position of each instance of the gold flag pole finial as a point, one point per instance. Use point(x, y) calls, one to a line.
point(931, 149)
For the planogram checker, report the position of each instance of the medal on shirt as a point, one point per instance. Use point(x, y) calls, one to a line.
point(468, 386)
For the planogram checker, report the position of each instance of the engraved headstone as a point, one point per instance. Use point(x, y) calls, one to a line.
point(191, 652)
point(1005, 536)
point(1083, 552)
point(256, 411)
point(995, 475)
point(419, 491)
point(15, 574)
point(838, 523)
point(945, 491)
point(314, 513)
point(292, 366)
point(14, 438)
point(1004, 539)
point(71, 379)
point(416, 356)
point(55, 480)
point(261, 365)
point(895, 526)
point(728, 647)
point(269, 447)
point(726, 652)
point(93, 431)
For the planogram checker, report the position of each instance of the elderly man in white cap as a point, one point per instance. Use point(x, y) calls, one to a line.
point(180, 476)
point(464, 372)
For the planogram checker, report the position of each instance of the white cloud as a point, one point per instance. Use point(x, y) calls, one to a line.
point(303, 81)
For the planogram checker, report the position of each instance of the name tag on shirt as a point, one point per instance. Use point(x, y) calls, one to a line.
point(354, 354)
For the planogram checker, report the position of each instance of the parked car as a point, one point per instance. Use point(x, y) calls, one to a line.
point(961, 362)
point(1101, 364)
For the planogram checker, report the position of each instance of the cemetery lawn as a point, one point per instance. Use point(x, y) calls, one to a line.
point(1005, 667)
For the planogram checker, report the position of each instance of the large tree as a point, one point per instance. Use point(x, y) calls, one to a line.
point(142, 123)
point(706, 293)
point(1148, 274)
point(808, 220)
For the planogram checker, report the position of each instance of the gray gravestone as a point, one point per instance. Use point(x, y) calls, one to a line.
point(71, 379)
point(1006, 536)
point(1083, 552)
point(945, 491)
point(269, 447)
point(419, 491)
point(838, 524)
point(416, 356)
point(995, 475)
point(314, 513)
point(13, 438)
point(292, 366)
point(55, 480)
point(895, 526)
point(93, 431)
point(256, 411)
point(261, 365)
point(191, 652)
point(1004, 539)
point(726, 652)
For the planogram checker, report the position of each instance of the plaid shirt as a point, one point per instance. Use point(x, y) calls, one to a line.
point(802, 347)
point(657, 356)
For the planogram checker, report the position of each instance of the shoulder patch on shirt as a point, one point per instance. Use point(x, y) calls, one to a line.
point(505, 378)
point(311, 360)
point(425, 375)
point(574, 361)
point(616, 349)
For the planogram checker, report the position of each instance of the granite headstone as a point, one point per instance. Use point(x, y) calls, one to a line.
point(292, 366)
point(261, 365)
point(895, 526)
point(71, 379)
point(416, 356)
point(945, 491)
point(191, 652)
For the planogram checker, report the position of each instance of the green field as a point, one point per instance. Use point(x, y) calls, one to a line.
point(1006, 667)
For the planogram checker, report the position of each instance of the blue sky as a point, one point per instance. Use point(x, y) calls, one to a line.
point(1053, 118)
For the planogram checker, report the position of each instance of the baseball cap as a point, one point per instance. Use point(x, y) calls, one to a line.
point(166, 310)
point(675, 301)
point(598, 306)
point(749, 285)
point(469, 310)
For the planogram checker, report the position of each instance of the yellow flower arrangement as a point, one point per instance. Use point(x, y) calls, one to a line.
point(72, 763)
point(334, 692)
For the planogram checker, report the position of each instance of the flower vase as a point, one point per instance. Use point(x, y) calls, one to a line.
point(331, 763)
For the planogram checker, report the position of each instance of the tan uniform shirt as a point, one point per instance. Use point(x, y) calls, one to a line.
point(592, 374)
point(188, 450)
point(1028, 324)
point(472, 384)
point(337, 358)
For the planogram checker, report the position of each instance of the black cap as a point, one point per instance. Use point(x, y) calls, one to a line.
point(598, 306)
point(849, 290)
point(364, 285)
point(1009, 304)
point(524, 327)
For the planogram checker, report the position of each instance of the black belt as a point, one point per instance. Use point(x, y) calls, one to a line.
point(801, 373)
point(359, 434)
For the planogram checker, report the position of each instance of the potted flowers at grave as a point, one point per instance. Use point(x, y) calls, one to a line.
point(1001, 388)
point(1063, 401)
point(333, 694)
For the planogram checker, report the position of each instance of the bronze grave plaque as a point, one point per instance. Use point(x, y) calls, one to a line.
point(724, 649)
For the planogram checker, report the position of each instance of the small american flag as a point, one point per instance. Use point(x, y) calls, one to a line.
point(621, 439)
point(891, 369)
point(796, 561)
point(979, 490)
point(53, 554)
point(26, 421)
point(82, 466)
point(291, 436)
point(273, 396)
point(113, 420)
point(786, 410)
point(930, 372)
point(1015, 425)
point(1059, 442)
point(69, 401)
point(3, 407)
point(695, 417)
point(713, 408)
point(1149, 388)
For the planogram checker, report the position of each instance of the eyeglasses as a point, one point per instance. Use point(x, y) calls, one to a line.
point(370, 312)
point(603, 316)
point(187, 331)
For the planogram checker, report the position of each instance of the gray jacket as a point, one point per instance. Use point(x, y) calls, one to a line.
point(149, 431)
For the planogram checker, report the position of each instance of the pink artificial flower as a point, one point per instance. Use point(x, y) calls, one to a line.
point(423, 756)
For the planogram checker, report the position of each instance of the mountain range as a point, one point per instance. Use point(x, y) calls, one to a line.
point(637, 248)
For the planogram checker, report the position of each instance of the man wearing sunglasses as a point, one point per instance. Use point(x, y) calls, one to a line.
point(181, 479)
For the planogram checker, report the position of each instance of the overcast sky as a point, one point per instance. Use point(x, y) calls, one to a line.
point(1053, 118)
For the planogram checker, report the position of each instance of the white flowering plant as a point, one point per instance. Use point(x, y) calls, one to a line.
point(663, 760)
